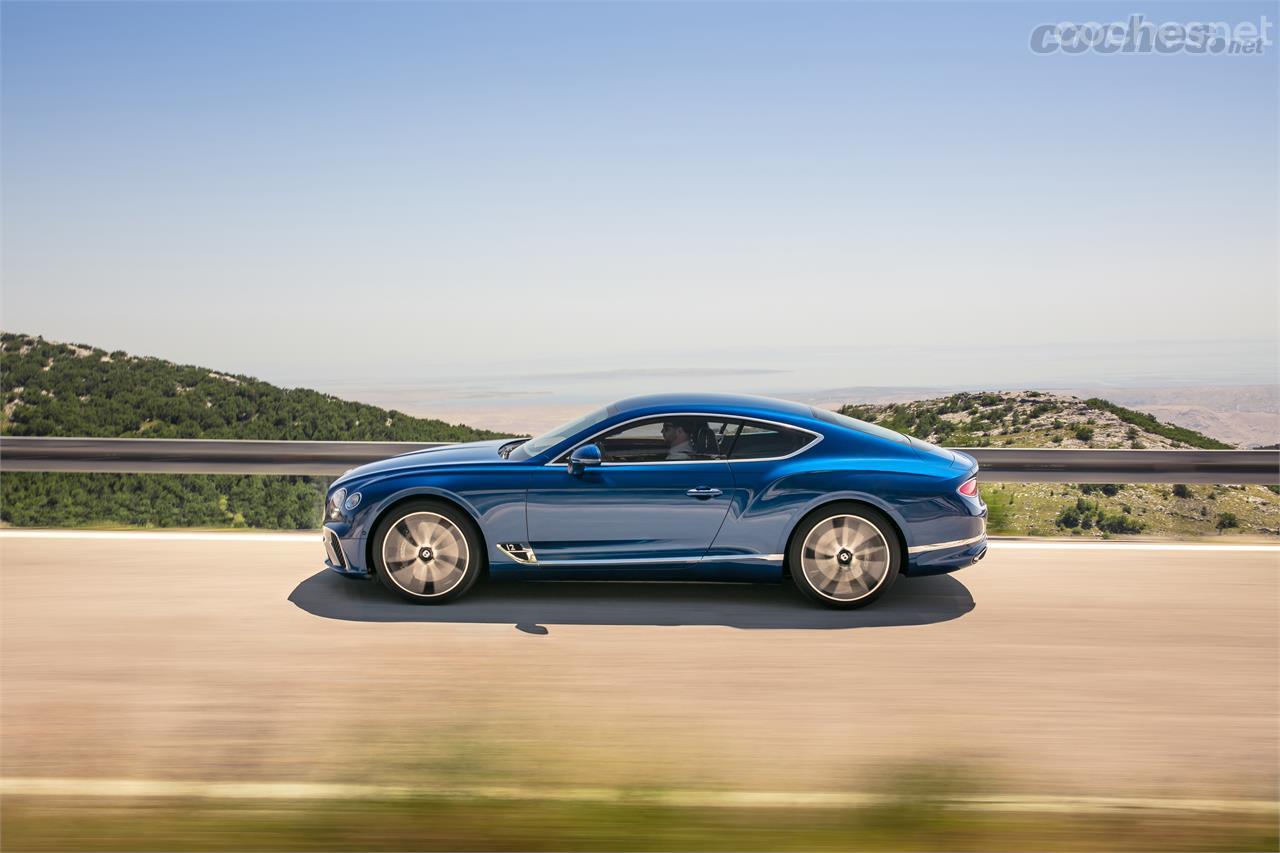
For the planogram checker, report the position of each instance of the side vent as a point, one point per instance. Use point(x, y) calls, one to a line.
point(518, 552)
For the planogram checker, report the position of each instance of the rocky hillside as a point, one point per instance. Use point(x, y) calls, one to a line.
point(1036, 419)
point(1030, 419)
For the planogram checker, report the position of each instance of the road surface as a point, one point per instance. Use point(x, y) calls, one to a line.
point(1107, 671)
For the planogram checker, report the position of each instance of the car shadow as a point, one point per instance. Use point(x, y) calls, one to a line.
point(532, 605)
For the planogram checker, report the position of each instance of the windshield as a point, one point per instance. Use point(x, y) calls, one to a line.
point(534, 446)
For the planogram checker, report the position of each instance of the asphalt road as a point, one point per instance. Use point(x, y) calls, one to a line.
point(1097, 670)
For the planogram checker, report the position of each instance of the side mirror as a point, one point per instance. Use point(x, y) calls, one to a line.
point(586, 456)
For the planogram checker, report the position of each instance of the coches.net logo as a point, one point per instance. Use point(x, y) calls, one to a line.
point(1137, 35)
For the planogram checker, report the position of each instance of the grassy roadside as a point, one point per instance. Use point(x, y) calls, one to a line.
point(905, 823)
point(1162, 511)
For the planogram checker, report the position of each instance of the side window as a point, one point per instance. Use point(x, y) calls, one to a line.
point(670, 439)
point(765, 441)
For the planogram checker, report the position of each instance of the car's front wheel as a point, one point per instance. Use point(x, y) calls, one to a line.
point(427, 552)
point(844, 555)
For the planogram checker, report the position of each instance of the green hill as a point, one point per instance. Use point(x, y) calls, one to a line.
point(1039, 419)
point(76, 390)
point(70, 389)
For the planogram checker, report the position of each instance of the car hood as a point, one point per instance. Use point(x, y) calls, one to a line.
point(452, 454)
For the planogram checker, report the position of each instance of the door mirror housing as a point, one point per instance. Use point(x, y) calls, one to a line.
point(584, 457)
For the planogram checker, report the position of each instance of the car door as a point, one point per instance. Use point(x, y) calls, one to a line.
point(658, 496)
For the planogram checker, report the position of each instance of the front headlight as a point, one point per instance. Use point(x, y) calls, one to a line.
point(351, 502)
point(333, 511)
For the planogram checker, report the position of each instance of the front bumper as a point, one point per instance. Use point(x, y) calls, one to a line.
point(339, 552)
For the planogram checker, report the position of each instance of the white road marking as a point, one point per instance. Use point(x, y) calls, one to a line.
point(1008, 545)
point(311, 537)
point(64, 787)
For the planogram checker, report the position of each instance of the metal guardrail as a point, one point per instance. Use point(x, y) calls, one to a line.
point(194, 456)
point(1047, 465)
point(330, 458)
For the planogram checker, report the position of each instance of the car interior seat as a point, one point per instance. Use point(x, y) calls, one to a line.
point(705, 442)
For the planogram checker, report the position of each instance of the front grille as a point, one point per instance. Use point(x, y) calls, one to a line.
point(333, 549)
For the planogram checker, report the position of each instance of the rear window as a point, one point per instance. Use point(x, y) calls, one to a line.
point(855, 424)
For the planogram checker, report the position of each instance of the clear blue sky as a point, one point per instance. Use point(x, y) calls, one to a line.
point(394, 191)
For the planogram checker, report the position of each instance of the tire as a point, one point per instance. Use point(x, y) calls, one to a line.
point(428, 552)
point(844, 556)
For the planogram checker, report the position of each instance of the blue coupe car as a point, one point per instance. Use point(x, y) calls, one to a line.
point(665, 487)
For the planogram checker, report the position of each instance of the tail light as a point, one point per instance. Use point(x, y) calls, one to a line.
point(970, 488)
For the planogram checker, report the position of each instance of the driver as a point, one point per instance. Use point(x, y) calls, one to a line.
point(679, 438)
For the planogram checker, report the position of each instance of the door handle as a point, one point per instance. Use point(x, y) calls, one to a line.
point(704, 492)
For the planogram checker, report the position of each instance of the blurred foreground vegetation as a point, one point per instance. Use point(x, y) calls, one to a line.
point(906, 823)
point(443, 804)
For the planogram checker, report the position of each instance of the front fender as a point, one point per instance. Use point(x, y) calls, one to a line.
point(494, 499)
point(364, 527)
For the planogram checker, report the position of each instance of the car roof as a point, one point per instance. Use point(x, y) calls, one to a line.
point(743, 404)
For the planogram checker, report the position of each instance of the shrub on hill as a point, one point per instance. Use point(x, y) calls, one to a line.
point(69, 390)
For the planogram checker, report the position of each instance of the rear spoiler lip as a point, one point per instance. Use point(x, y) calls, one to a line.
point(964, 460)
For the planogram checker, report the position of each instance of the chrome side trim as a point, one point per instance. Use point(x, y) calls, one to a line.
point(716, 558)
point(938, 546)
point(563, 458)
point(656, 561)
point(634, 561)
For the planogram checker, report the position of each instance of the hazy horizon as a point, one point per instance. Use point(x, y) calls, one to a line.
point(845, 194)
point(542, 393)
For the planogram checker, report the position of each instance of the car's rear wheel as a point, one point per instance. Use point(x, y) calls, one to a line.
point(844, 555)
point(427, 552)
